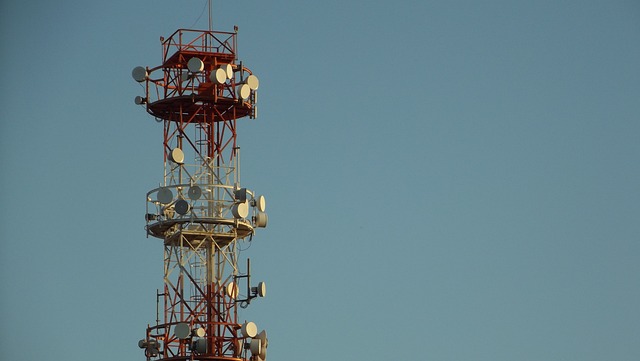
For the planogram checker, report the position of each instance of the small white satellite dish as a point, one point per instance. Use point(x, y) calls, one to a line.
point(262, 289)
point(261, 203)
point(244, 91)
point(177, 156)
point(199, 332)
point(253, 82)
point(195, 65)
point(181, 330)
point(165, 196)
point(232, 290)
point(262, 220)
point(249, 329)
point(263, 337)
point(139, 74)
point(255, 346)
point(219, 76)
point(139, 100)
point(194, 193)
point(182, 207)
point(229, 70)
point(240, 210)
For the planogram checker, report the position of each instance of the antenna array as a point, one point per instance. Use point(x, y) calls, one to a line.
point(200, 210)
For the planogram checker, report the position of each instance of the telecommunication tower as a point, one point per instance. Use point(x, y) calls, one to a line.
point(200, 210)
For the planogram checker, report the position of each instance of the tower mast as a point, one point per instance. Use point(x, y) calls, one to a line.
point(200, 210)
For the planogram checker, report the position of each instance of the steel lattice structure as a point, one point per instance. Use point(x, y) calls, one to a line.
point(200, 210)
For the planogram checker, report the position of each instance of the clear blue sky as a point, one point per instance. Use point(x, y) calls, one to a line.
point(446, 180)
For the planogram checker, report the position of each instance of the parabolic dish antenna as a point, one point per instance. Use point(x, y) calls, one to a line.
point(263, 337)
point(232, 290)
point(262, 289)
point(165, 196)
point(194, 193)
point(139, 100)
point(199, 332)
point(219, 76)
point(253, 82)
point(182, 207)
point(261, 203)
point(177, 156)
point(249, 329)
point(244, 91)
point(255, 346)
point(181, 330)
point(229, 70)
point(139, 74)
point(240, 210)
point(261, 219)
point(238, 348)
point(195, 65)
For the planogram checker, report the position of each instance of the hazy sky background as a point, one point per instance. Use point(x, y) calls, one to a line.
point(445, 180)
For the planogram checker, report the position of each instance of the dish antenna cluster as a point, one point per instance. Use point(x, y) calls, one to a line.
point(200, 210)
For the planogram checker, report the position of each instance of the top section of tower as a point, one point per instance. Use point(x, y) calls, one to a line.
point(200, 79)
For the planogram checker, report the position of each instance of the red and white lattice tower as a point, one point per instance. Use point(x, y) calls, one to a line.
point(200, 210)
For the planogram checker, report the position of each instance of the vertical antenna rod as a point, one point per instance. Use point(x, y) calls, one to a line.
point(210, 15)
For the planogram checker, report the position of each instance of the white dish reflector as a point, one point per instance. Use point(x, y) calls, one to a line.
point(219, 76)
point(244, 91)
point(261, 219)
point(261, 203)
point(255, 346)
point(232, 290)
point(249, 329)
point(262, 289)
point(253, 82)
point(263, 337)
point(199, 332)
point(238, 348)
point(177, 156)
point(229, 70)
point(240, 210)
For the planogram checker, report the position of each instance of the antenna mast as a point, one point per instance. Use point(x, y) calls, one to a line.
point(200, 211)
point(210, 15)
